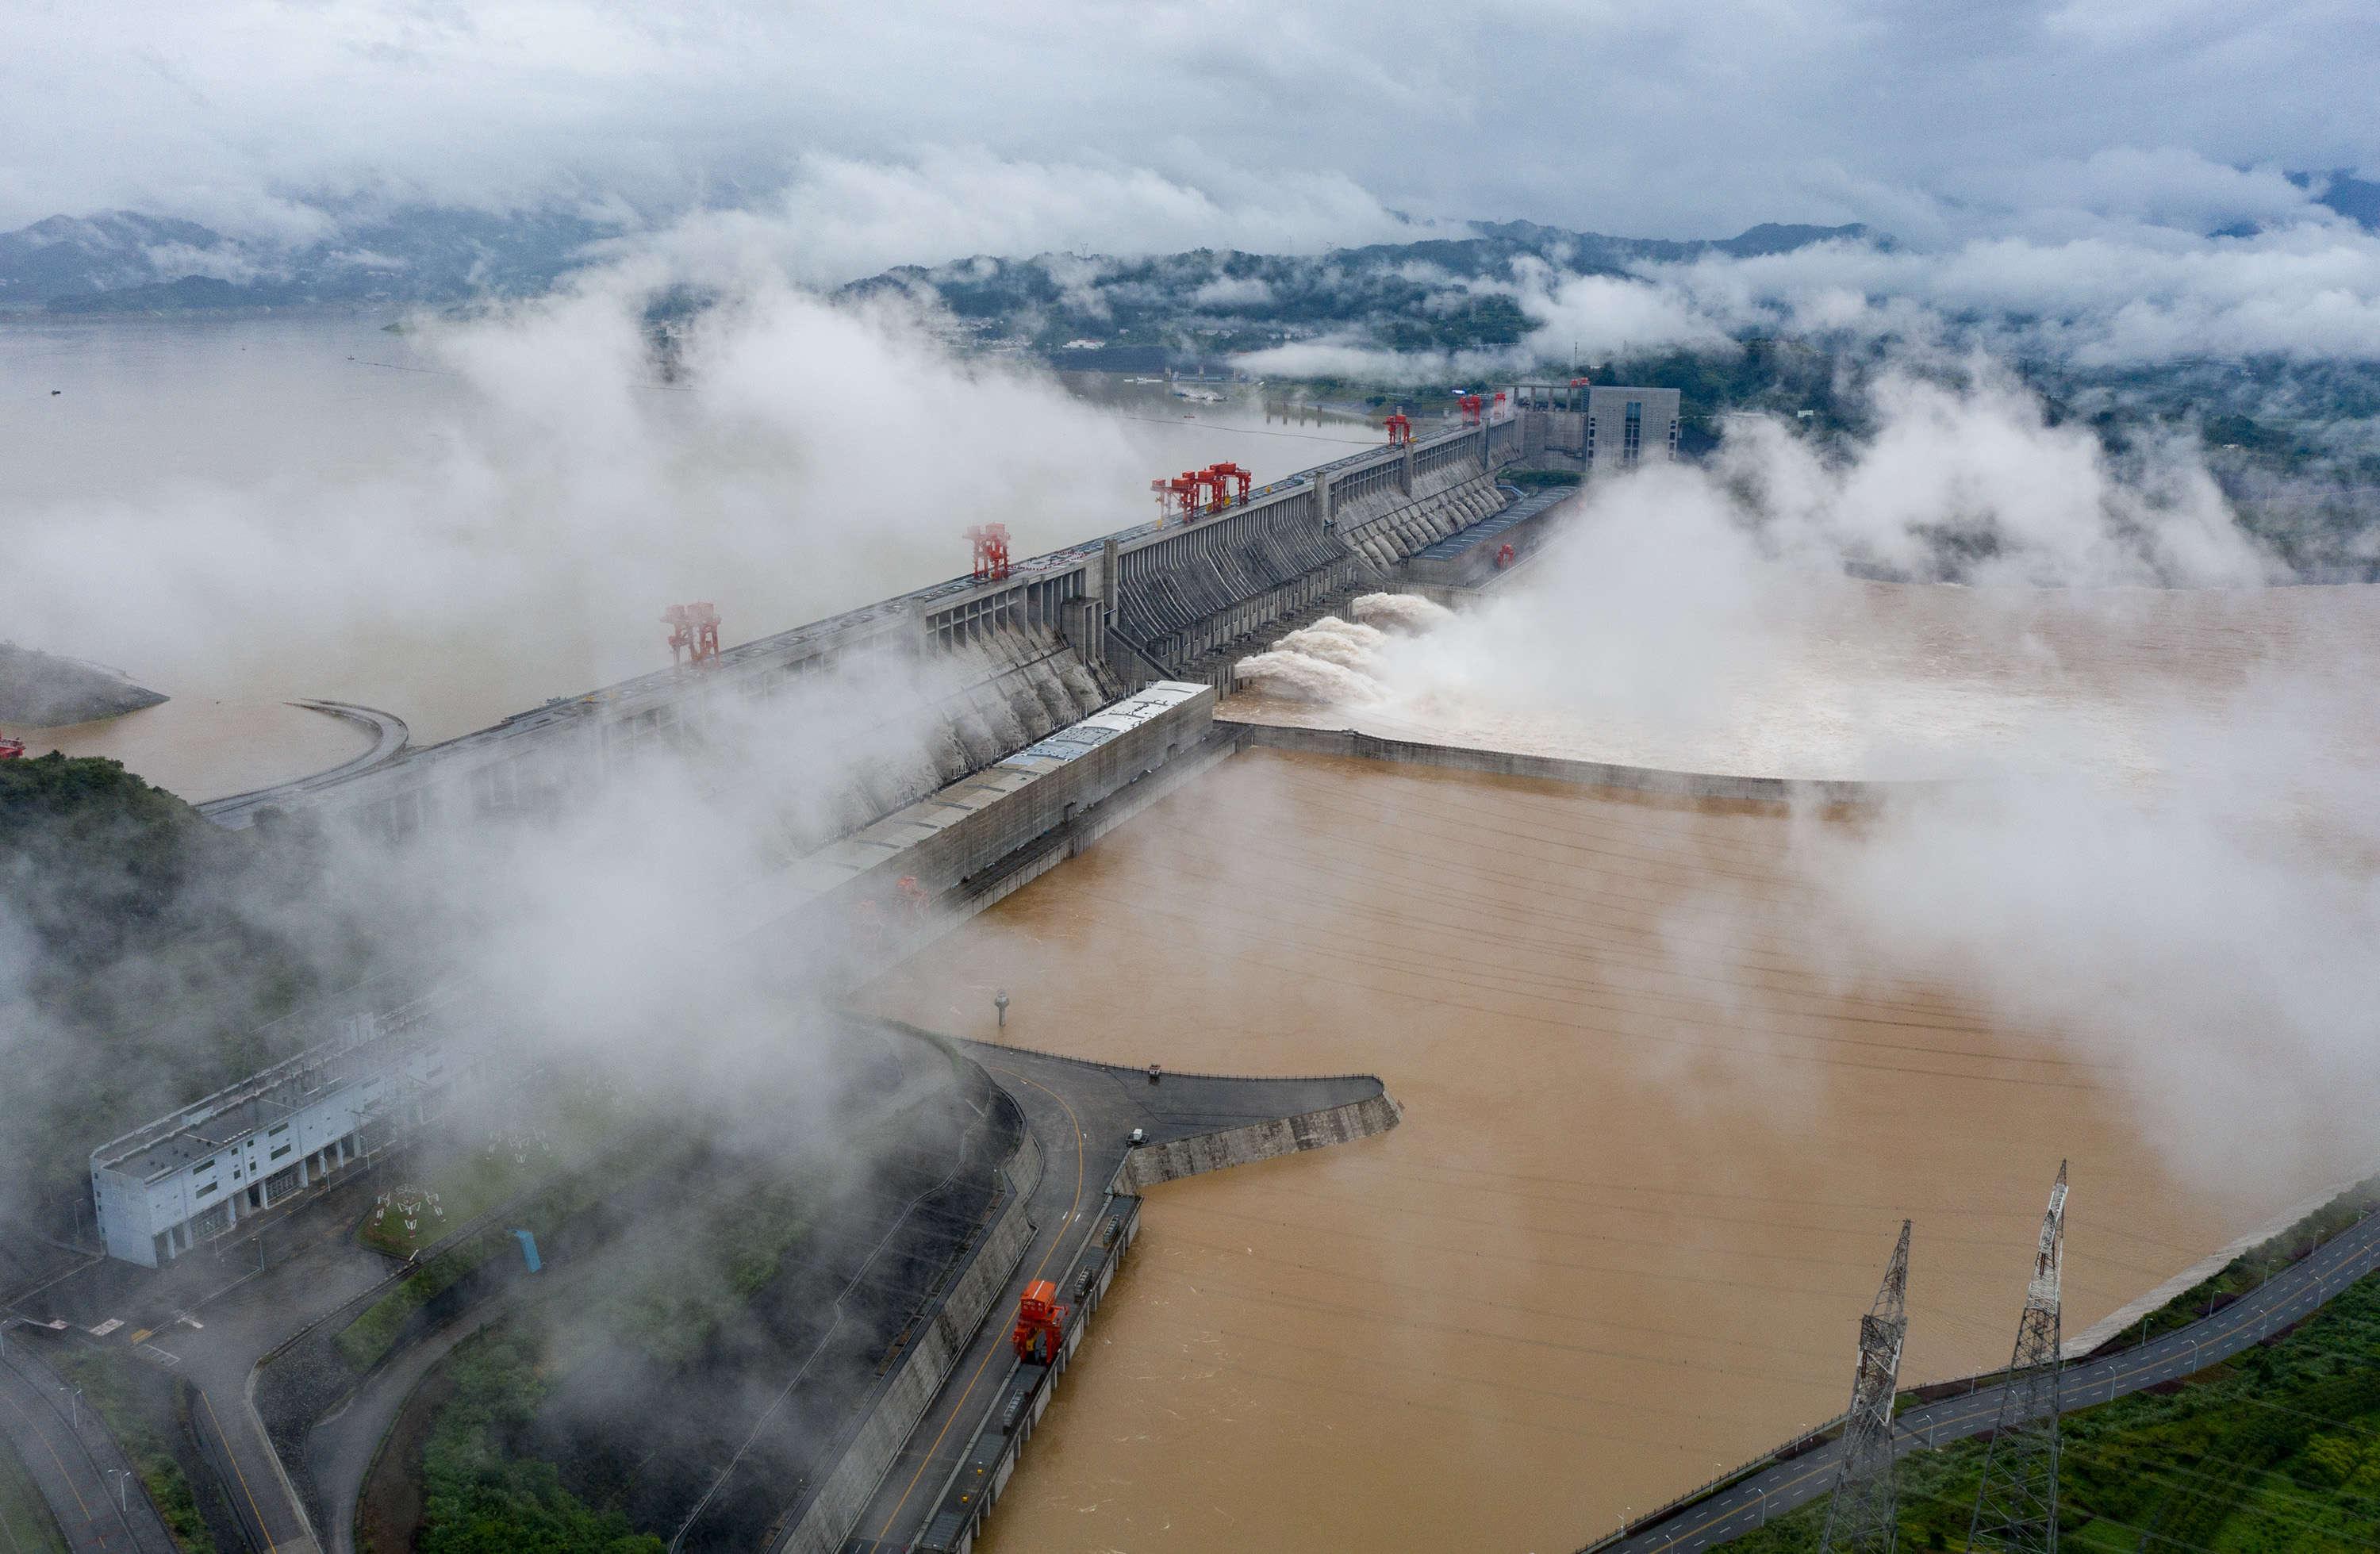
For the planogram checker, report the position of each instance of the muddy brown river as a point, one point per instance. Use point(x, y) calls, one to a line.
point(1651, 1166)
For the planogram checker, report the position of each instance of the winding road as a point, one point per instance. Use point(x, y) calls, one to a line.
point(2287, 1299)
point(390, 736)
point(75, 1462)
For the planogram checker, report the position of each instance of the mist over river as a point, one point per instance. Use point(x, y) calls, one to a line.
point(454, 522)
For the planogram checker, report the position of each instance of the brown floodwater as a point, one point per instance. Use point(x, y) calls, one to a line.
point(201, 746)
point(1652, 1163)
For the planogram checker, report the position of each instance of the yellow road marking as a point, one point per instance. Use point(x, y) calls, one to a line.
point(960, 1407)
point(233, 1452)
point(52, 1448)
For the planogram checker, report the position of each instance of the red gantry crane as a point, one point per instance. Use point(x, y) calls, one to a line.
point(694, 631)
point(1040, 1324)
point(991, 542)
point(1399, 428)
point(1179, 497)
point(1224, 476)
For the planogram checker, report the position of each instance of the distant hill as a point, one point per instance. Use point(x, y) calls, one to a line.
point(42, 690)
point(123, 262)
point(1103, 312)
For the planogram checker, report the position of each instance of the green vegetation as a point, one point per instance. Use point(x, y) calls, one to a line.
point(26, 1524)
point(2276, 1452)
point(679, 1297)
point(365, 1339)
point(471, 1181)
point(2252, 1267)
point(164, 947)
point(146, 1411)
point(479, 1502)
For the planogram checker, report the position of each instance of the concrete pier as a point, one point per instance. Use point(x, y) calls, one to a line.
point(937, 1493)
point(1790, 791)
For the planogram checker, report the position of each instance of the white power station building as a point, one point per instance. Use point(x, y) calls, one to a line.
point(163, 1189)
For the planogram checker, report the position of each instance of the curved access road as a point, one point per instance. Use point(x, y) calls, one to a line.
point(390, 737)
point(75, 1462)
point(1749, 1501)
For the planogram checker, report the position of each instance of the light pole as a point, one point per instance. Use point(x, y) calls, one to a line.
point(78, 1408)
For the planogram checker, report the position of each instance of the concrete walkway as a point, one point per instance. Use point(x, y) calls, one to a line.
point(1081, 1112)
point(76, 1464)
point(2289, 1298)
point(390, 736)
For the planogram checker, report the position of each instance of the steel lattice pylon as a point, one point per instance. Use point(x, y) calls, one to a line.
point(2016, 1510)
point(1862, 1519)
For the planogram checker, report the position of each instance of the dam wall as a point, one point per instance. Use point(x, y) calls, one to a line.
point(984, 1465)
point(882, 1424)
point(874, 896)
point(925, 688)
point(1268, 1140)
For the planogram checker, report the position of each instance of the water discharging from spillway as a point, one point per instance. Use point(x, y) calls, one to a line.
point(1651, 1166)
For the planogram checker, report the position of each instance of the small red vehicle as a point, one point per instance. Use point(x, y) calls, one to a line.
point(1040, 1323)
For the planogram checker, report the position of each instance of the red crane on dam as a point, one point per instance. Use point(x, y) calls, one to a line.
point(1399, 428)
point(694, 631)
point(1040, 1323)
point(1182, 496)
point(991, 542)
point(1194, 494)
point(1224, 476)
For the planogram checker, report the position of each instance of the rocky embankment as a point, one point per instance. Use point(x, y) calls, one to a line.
point(42, 690)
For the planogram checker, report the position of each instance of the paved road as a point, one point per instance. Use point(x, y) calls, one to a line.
point(237, 811)
point(1081, 1112)
point(72, 1462)
point(2289, 1298)
point(342, 1444)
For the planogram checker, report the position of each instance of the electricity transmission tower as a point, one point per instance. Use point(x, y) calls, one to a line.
point(1863, 1518)
point(2016, 1510)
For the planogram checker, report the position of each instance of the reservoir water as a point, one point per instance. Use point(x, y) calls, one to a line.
point(458, 521)
point(1654, 1156)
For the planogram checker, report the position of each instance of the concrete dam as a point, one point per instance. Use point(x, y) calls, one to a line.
point(985, 729)
point(935, 684)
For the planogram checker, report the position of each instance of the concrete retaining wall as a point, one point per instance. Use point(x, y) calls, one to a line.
point(1600, 774)
point(1260, 1141)
point(884, 891)
point(845, 1493)
point(1468, 557)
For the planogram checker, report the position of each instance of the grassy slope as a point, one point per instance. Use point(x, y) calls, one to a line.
point(26, 1525)
point(151, 950)
point(481, 1502)
point(136, 1407)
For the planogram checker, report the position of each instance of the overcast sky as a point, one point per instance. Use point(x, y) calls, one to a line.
point(1287, 125)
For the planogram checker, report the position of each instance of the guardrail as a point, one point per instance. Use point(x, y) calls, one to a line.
point(974, 1483)
point(1805, 1442)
